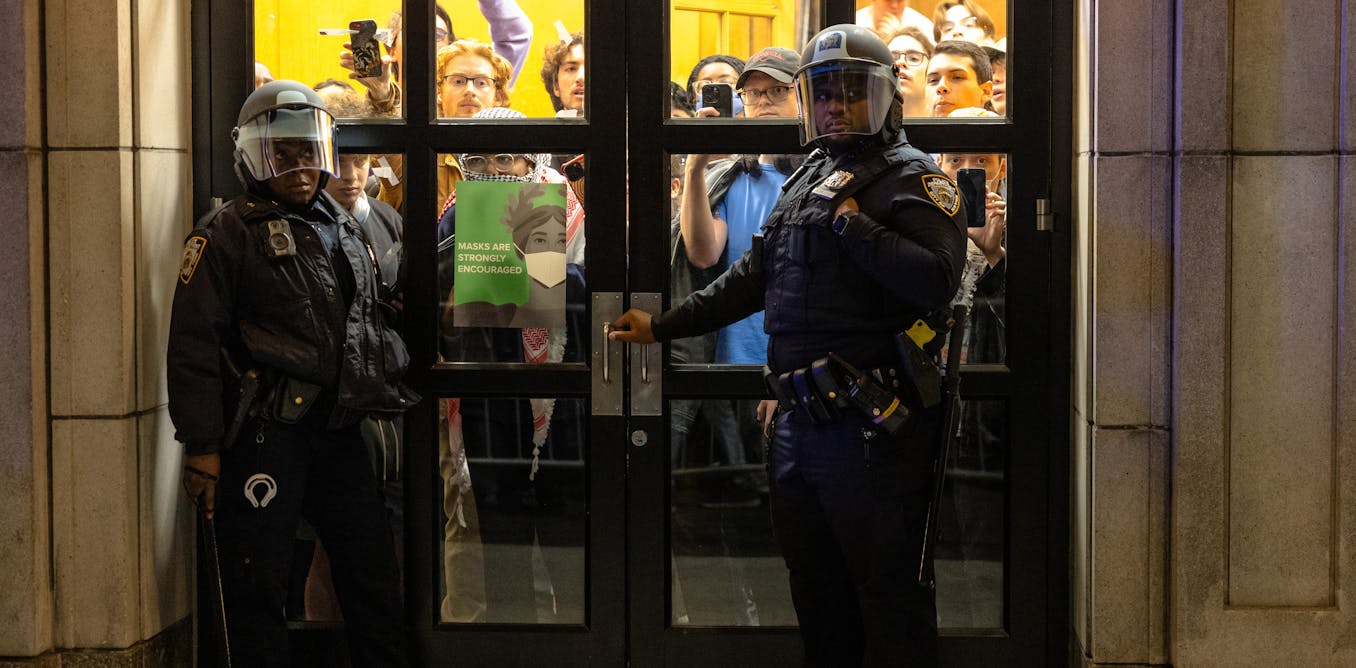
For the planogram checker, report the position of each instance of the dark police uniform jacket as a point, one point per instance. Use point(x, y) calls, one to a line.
point(311, 317)
point(845, 291)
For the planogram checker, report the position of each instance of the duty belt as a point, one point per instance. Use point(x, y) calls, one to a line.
point(832, 385)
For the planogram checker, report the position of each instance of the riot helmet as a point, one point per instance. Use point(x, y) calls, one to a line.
point(845, 85)
point(283, 127)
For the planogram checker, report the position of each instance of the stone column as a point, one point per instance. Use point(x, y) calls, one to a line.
point(1214, 361)
point(1122, 320)
point(1262, 543)
point(106, 132)
point(25, 575)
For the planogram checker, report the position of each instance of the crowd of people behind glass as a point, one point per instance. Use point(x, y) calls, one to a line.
point(513, 541)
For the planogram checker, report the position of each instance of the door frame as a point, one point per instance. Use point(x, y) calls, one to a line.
point(613, 634)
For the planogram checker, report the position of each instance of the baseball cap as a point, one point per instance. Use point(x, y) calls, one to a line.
point(779, 63)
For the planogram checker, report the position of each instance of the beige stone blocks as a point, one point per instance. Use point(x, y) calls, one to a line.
point(88, 44)
point(21, 77)
point(1130, 252)
point(1285, 74)
point(95, 532)
point(1132, 96)
point(93, 290)
point(164, 218)
point(1204, 115)
point(1129, 548)
point(26, 578)
point(163, 94)
point(1282, 360)
point(166, 519)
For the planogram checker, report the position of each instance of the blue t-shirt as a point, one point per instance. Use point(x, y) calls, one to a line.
point(744, 209)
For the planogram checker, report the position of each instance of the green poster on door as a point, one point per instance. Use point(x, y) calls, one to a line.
point(507, 256)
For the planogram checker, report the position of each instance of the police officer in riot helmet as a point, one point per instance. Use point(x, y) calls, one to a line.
point(866, 240)
point(277, 349)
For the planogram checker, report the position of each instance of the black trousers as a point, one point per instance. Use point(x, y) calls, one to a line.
point(848, 508)
point(325, 476)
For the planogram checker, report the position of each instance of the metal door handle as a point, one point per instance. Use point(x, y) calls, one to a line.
point(646, 395)
point(607, 348)
point(607, 391)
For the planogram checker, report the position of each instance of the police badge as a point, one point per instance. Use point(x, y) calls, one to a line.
point(943, 193)
point(829, 187)
point(192, 254)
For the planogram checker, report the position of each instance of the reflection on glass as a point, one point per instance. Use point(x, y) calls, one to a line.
point(970, 545)
point(727, 566)
point(510, 259)
point(984, 281)
point(712, 40)
point(718, 203)
point(514, 510)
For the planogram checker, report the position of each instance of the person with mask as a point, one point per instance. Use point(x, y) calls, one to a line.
point(867, 239)
point(278, 285)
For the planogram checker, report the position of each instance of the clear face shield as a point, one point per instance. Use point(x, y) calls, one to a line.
point(285, 140)
point(843, 97)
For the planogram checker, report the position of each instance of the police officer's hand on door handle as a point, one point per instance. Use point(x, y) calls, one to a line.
point(632, 327)
point(199, 477)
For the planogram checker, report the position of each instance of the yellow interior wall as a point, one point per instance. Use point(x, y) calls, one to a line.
point(699, 28)
point(287, 41)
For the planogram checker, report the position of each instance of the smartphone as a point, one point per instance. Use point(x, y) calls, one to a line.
point(721, 97)
point(366, 48)
point(973, 192)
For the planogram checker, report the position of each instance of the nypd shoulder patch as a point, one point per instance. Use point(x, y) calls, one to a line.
point(193, 249)
point(943, 193)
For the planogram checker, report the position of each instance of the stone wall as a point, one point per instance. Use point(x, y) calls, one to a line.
point(105, 144)
point(1214, 365)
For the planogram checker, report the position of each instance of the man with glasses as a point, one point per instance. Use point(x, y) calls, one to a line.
point(867, 239)
point(911, 49)
point(278, 290)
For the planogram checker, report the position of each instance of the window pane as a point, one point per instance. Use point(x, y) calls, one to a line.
point(737, 193)
point(970, 540)
point(727, 566)
point(302, 40)
point(514, 510)
point(984, 282)
point(510, 260)
point(938, 76)
point(712, 40)
point(527, 55)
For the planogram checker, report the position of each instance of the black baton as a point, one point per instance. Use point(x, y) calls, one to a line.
point(950, 427)
point(207, 532)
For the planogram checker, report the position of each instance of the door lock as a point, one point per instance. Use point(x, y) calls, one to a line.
point(640, 437)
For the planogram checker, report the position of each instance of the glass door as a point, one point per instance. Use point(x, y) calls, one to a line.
point(563, 499)
point(709, 580)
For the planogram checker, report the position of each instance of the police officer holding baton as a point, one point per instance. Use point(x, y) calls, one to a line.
point(278, 348)
point(866, 240)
